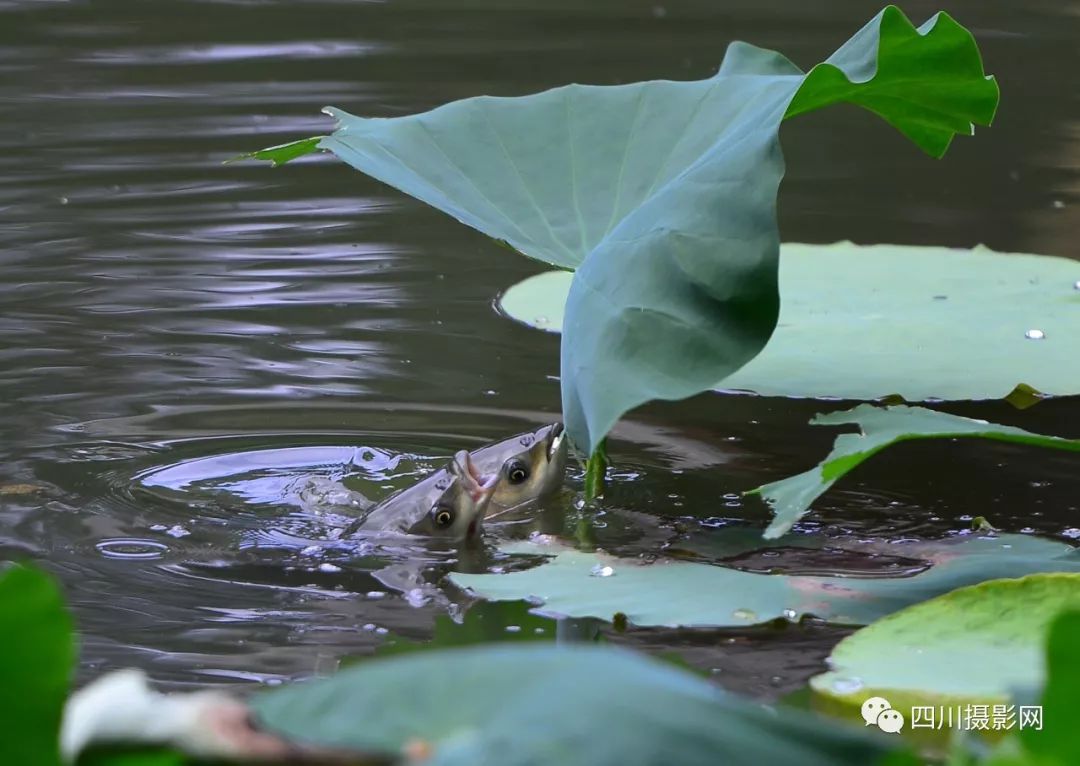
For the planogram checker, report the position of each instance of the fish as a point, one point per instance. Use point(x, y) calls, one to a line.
point(453, 502)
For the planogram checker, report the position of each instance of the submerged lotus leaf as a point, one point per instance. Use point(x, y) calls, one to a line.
point(973, 646)
point(679, 593)
point(661, 194)
point(576, 705)
point(863, 322)
point(880, 427)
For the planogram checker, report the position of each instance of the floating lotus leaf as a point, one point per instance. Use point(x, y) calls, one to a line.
point(679, 593)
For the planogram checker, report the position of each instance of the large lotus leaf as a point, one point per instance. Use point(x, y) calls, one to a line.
point(37, 653)
point(662, 192)
point(680, 593)
point(880, 427)
point(953, 322)
point(972, 646)
point(542, 704)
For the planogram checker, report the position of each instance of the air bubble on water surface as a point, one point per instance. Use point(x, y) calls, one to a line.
point(131, 548)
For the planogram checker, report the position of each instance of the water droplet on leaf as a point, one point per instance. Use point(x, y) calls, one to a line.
point(847, 685)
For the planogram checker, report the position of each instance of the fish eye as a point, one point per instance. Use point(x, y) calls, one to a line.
point(516, 471)
point(443, 516)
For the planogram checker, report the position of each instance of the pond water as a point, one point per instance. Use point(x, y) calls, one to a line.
point(185, 340)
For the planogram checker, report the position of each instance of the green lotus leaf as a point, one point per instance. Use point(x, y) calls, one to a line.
point(37, 656)
point(973, 646)
point(661, 194)
point(880, 427)
point(673, 593)
point(864, 322)
point(574, 705)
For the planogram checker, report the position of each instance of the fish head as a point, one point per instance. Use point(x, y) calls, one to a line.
point(534, 466)
point(458, 512)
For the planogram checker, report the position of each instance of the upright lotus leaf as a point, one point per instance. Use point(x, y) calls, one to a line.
point(957, 322)
point(661, 193)
point(37, 654)
point(678, 593)
point(1057, 742)
point(574, 705)
point(880, 427)
point(969, 647)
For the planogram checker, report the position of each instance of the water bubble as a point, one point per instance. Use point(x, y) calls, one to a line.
point(513, 628)
point(790, 614)
point(376, 595)
point(1072, 533)
point(417, 598)
point(312, 550)
point(63, 200)
point(538, 631)
point(131, 548)
point(382, 631)
point(1034, 335)
point(491, 392)
point(731, 496)
point(712, 522)
point(273, 682)
point(602, 570)
point(1076, 285)
point(329, 568)
point(177, 531)
point(1058, 204)
point(847, 685)
point(369, 626)
point(745, 614)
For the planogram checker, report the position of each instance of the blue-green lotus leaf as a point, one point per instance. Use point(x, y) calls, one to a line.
point(661, 194)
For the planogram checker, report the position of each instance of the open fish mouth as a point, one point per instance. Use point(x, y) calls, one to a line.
point(555, 439)
point(478, 485)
